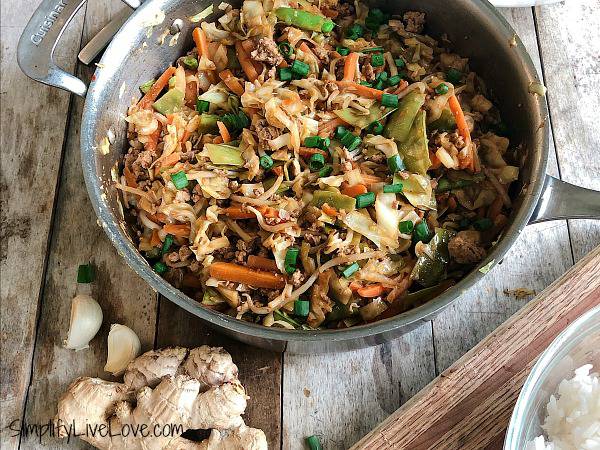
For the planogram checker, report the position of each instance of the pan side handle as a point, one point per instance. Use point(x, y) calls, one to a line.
point(560, 200)
point(40, 38)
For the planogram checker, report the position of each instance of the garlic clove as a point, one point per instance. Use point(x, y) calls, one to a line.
point(86, 319)
point(123, 347)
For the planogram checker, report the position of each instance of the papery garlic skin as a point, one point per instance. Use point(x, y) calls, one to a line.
point(123, 347)
point(86, 319)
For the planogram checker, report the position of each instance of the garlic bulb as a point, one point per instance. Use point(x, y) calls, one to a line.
point(123, 347)
point(86, 319)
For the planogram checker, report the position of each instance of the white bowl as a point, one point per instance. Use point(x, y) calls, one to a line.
point(576, 346)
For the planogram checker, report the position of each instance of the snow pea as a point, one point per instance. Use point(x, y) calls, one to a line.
point(400, 123)
point(304, 20)
point(445, 122)
point(414, 150)
point(430, 270)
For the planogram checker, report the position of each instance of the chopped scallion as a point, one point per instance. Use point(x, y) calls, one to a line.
point(179, 179)
point(286, 49)
point(395, 164)
point(375, 128)
point(406, 227)
point(190, 62)
point(167, 243)
point(146, 86)
point(340, 132)
point(313, 443)
point(350, 270)
point(454, 76)
point(285, 74)
point(377, 60)
point(350, 141)
point(202, 106)
point(343, 51)
point(399, 63)
point(316, 162)
point(395, 80)
point(160, 267)
point(441, 89)
point(422, 231)
point(266, 162)
point(364, 200)
point(325, 171)
point(299, 69)
point(395, 188)
point(390, 100)
point(301, 308)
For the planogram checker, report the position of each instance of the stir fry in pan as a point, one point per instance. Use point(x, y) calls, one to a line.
point(316, 165)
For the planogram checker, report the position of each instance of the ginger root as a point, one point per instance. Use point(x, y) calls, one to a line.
point(173, 387)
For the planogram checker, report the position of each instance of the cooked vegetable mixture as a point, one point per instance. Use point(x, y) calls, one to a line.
point(316, 165)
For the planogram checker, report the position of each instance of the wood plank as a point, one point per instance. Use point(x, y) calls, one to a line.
point(124, 297)
point(541, 254)
point(31, 141)
point(340, 396)
point(260, 370)
point(570, 44)
point(470, 404)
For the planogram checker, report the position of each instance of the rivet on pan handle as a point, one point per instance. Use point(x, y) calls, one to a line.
point(38, 42)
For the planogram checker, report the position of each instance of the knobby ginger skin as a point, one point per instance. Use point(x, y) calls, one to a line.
point(197, 389)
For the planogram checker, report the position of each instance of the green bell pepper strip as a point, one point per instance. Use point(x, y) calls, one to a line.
point(400, 123)
point(430, 271)
point(224, 154)
point(172, 101)
point(334, 199)
point(414, 151)
point(445, 122)
point(305, 20)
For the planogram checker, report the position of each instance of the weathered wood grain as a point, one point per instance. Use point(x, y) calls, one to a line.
point(124, 297)
point(569, 40)
point(339, 397)
point(260, 370)
point(33, 119)
point(469, 406)
point(540, 255)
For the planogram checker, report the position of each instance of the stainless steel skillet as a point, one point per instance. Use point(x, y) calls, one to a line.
point(136, 54)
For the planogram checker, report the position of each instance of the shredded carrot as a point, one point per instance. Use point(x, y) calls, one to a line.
point(231, 82)
point(370, 179)
point(330, 125)
point(170, 160)
point(224, 132)
point(277, 170)
point(306, 49)
point(370, 291)
point(403, 85)
point(435, 161)
point(307, 152)
point(359, 89)
point(129, 177)
point(353, 191)
point(355, 286)
point(248, 45)
point(218, 140)
point(156, 88)
point(329, 210)
point(463, 129)
point(201, 42)
point(262, 263)
point(246, 62)
point(245, 275)
point(268, 212)
point(155, 239)
point(152, 141)
point(236, 212)
point(181, 230)
point(350, 66)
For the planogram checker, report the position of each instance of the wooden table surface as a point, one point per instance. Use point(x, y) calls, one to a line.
point(48, 227)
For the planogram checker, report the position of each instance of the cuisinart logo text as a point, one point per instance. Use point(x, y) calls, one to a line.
point(49, 20)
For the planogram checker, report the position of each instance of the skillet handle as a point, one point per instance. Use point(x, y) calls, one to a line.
point(562, 200)
point(35, 52)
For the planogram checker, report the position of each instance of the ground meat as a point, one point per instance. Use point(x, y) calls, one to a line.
point(339, 69)
point(184, 252)
point(321, 53)
point(266, 132)
point(464, 248)
point(297, 278)
point(197, 194)
point(266, 51)
point(414, 21)
point(368, 72)
point(313, 239)
point(173, 257)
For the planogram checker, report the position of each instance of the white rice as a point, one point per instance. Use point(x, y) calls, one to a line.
point(573, 415)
